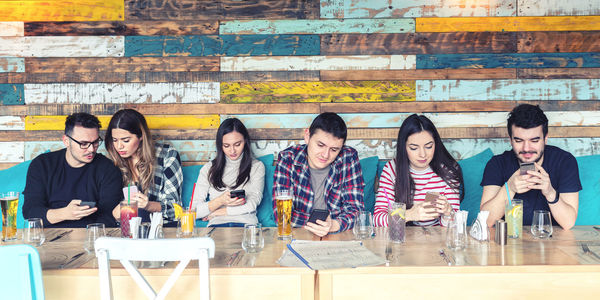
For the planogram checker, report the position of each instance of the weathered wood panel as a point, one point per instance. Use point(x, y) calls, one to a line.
point(221, 9)
point(419, 74)
point(11, 123)
point(62, 77)
point(222, 45)
point(89, 93)
point(320, 91)
point(12, 152)
point(12, 64)
point(558, 7)
point(570, 23)
point(154, 122)
point(61, 10)
point(509, 60)
point(559, 41)
point(520, 89)
point(62, 46)
point(244, 76)
point(419, 43)
point(559, 73)
point(172, 27)
point(300, 63)
point(15, 29)
point(317, 26)
point(415, 8)
point(12, 94)
point(120, 64)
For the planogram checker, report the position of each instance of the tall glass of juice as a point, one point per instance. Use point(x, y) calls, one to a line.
point(129, 209)
point(283, 200)
point(10, 203)
point(513, 215)
point(185, 226)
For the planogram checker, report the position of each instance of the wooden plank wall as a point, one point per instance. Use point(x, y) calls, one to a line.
point(276, 64)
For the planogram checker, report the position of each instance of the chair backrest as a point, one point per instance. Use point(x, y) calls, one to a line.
point(21, 275)
point(125, 250)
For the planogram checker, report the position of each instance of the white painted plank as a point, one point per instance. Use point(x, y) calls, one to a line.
point(91, 93)
point(305, 63)
point(317, 26)
point(11, 152)
point(63, 46)
point(12, 29)
point(11, 123)
point(558, 8)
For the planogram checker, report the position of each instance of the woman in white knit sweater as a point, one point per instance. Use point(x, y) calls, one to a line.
point(234, 168)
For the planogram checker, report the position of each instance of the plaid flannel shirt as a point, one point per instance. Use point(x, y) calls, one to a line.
point(168, 179)
point(343, 187)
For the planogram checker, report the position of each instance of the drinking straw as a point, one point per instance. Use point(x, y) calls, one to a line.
point(128, 193)
point(192, 200)
point(387, 197)
point(507, 193)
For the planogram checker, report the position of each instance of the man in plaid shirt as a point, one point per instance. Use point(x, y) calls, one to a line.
point(323, 174)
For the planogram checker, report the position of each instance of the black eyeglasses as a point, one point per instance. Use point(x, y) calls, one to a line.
point(85, 145)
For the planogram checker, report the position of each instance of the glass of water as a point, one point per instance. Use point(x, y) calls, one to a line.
point(253, 240)
point(363, 225)
point(541, 224)
point(33, 232)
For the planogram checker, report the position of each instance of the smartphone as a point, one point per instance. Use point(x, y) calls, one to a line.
point(88, 203)
point(238, 194)
point(430, 199)
point(526, 167)
point(129, 191)
point(318, 214)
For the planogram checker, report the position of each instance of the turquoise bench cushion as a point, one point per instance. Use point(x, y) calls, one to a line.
point(472, 169)
point(369, 172)
point(13, 180)
point(589, 205)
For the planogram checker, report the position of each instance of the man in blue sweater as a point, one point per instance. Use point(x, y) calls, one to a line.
point(58, 182)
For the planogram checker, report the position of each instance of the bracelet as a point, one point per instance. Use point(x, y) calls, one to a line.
point(555, 200)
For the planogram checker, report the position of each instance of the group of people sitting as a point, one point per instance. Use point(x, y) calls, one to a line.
point(323, 173)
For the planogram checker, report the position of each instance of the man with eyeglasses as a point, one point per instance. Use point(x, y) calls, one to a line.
point(59, 182)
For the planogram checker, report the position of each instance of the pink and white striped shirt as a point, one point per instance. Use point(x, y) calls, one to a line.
point(425, 181)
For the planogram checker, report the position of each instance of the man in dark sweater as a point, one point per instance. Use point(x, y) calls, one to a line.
point(58, 182)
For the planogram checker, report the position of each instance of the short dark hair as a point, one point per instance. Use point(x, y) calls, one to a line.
point(527, 116)
point(81, 119)
point(331, 123)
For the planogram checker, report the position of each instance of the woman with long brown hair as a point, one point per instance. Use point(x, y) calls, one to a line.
point(154, 168)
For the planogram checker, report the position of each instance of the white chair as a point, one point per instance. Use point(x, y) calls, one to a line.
point(125, 250)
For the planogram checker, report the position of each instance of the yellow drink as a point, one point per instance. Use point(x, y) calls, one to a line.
point(513, 216)
point(284, 216)
point(9, 203)
point(187, 222)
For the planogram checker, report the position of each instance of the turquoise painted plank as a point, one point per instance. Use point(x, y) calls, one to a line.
point(511, 90)
point(222, 45)
point(12, 64)
point(339, 9)
point(11, 94)
point(317, 26)
point(509, 60)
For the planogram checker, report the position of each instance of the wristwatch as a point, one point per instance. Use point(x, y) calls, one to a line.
point(555, 200)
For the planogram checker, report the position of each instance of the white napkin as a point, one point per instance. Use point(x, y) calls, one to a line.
point(134, 224)
point(479, 229)
point(156, 222)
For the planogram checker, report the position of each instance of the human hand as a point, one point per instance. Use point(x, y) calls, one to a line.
point(321, 228)
point(141, 199)
point(73, 211)
point(442, 206)
point(419, 212)
point(540, 180)
point(216, 213)
point(518, 183)
point(226, 200)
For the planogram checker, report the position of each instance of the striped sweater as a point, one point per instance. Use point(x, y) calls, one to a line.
point(425, 181)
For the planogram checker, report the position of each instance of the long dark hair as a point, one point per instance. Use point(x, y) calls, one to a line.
point(215, 174)
point(135, 123)
point(442, 163)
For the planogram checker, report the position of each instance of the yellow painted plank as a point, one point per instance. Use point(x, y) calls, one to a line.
point(318, 91)
point(478, 24)
point(62, 10)
point(154, 122)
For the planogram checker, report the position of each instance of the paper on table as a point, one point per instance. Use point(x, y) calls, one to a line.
point(155, 223)
point(322, 255)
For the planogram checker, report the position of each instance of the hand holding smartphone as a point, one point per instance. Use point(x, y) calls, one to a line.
point(91, 204)
point(529, 166)
point(318, 214)
point(430, 199)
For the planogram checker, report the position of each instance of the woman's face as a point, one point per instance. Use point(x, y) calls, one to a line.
point(233, 145)
point(125, 142)
point(420, 148)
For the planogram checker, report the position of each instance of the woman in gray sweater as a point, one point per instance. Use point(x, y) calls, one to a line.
point(233, 168)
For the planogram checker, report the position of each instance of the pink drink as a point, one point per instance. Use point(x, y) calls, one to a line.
point(128, 211)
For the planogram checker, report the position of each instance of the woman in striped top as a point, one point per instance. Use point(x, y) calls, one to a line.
point(424, 165)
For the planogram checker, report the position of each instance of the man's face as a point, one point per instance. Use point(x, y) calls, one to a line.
point(322, 148)
point(528, 144)
point(77, 157)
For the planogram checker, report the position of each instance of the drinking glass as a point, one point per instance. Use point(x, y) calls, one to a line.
point(396, 222)
point(129, 209)
point(513, 215)
point(456, 233)
point(283, 198)
point(186, 223)
point(541, 225)
point(94, 231)
point(33, 232)
point(363, 225)
point(9, 202)
point(253, 240)
point(143, 230)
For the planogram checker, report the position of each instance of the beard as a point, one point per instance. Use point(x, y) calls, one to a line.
point(536, 160)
